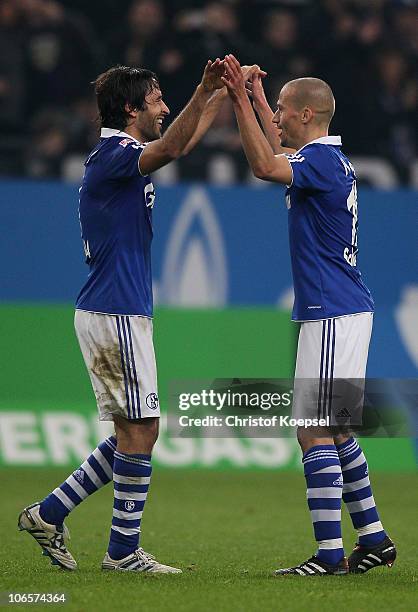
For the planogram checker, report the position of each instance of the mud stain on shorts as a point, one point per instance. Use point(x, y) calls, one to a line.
point(107, 366)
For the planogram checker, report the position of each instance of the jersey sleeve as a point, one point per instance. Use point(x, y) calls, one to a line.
point(312, 168)
point(122, 159)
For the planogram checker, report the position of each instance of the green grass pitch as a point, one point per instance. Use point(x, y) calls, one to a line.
point(228, 531)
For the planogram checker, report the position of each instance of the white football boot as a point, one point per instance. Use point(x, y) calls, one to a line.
point(139, 561)
point(49, 537)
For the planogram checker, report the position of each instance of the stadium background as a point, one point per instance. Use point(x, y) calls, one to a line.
point(221, 265)
point(221, 240)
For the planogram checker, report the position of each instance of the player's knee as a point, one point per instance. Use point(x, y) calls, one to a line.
point(151, 429)
point(309, 437)
point(144, 431)
point(301, 436)
point(340, 438)
point(137, 436)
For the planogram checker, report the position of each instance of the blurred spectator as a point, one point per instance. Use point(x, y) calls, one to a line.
point(48, 144)
point(395, 109)
point(49, 54)
point(12, 88)
point(220, 33)
point(405, 21)
point(11, 66)
point(221, 142)
point(200, 33)
point(144, 26)
point(61, 54)
point(84, 124)
point(144, 41)
point(344, 52)
point(282, 55)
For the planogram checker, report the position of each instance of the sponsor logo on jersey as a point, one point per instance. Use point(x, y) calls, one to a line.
point(124, 143)
point(339, 482)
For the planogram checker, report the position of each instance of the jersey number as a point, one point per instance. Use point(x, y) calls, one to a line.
point(350, 254)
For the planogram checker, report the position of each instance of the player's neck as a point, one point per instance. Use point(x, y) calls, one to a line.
point(133, 131)
point(312, 135)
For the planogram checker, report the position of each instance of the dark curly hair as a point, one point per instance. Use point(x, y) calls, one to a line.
point(119, 86)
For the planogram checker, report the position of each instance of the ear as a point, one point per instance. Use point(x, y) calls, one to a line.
point(307, 114)
point(132, 112)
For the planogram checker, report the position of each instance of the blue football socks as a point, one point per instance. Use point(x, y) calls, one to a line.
point(131, 478)
point(357, 494)
point(324, 483)
point(92, 475)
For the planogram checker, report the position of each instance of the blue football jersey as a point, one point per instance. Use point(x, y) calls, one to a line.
point(116, 228)
point(323, 226)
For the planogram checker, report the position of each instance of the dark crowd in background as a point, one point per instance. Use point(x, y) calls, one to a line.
point(50, 51)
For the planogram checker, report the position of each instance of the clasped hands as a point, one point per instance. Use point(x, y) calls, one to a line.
point(238, 79)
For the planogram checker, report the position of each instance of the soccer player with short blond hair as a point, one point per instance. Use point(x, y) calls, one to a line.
point(332, 303)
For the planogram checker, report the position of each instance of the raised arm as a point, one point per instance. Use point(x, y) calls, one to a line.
point(207, 117)
point(255, 90)
point(264, 163)
point(213, 106)
point(172, 144)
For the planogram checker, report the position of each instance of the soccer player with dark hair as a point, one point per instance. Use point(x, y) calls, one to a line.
point(113, 319)
point(332, 303)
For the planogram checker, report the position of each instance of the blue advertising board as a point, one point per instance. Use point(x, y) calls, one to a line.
point(218, 247)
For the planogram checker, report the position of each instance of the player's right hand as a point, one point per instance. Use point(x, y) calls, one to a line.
point(233, 77)
point(249, 72)
point(211, 78)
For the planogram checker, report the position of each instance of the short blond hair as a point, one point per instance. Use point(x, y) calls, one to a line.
point(315, 94)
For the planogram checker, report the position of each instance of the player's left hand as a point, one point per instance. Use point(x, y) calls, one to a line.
point(211, 78)
point(250, 72)
point(255, 90)
point(234, 78)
